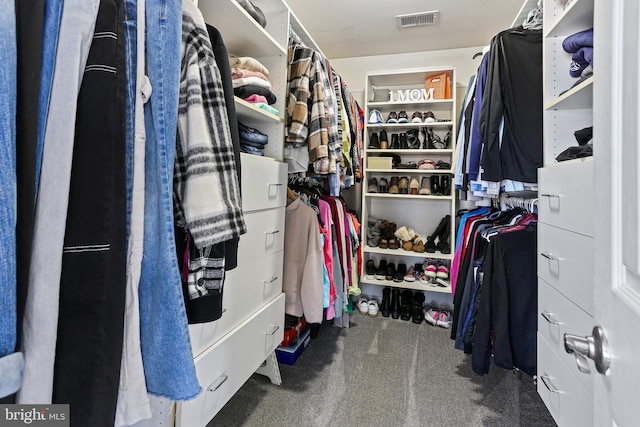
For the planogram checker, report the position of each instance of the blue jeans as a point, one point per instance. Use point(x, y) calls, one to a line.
point(166, 347)
point(10, 363)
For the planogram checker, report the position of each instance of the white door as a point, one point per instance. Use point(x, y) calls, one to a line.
point(617, 160)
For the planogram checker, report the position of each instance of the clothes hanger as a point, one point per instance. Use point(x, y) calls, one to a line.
point(291, 195)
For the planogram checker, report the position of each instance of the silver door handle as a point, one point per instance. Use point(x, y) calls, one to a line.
point(551, 195)
point(272, 232)
point(273, 279)
point(275, 185)
point(548, 318)
point(218, 383)
point(549, 256)
point(546, 380)
point(275, 329)
point(593, 347)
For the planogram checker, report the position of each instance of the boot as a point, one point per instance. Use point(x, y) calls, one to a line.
point(417, 313)
point(395, 145)
point(407, 304)
point(385, 307)
point(395, 303)
point(404, 143)
point(445, 185)
point(384, 141)
point(430, 245)
point(374, 142)
point(435, 185)
point(443, 238)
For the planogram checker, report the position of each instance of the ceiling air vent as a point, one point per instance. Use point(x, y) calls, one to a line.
point(418, 19)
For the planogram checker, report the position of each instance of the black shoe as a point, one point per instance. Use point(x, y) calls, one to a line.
point(412, 139)
point(374, 142)
point(382, 270)
point(370, 269)
point(391, 271)
point(406, 304)
point(395, 303)
point(404, 144)
point(418, 303)
point(435, 185)
point(400, 272)
point(395, 145)
point(385, 307)
point(431, 246)
point(384, 141)
point(447, 139)
point(445, 185)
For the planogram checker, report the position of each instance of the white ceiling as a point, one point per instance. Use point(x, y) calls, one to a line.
point(352, 28)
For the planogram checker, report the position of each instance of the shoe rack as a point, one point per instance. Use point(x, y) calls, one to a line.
point(421, 212)
point(566, 223)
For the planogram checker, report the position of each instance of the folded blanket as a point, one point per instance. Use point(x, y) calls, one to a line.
point(247, 63)
point(575, 41)
point(247, 91)
point(238, 73)
point(255, 81)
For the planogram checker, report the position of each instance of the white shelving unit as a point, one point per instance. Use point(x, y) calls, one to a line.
point(565, 238)
point(420, 212)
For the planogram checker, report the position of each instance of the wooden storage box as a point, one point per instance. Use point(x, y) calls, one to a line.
point(441, 85)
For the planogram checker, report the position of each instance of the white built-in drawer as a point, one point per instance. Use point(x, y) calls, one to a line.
point(246, 289)
point(265, 236)
point(566, 261)
point(225, 366)
point(565, 195)
point(264, 183)
point(558, 316)
point(568, 401)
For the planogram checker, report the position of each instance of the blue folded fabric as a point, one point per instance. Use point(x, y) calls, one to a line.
point(580, 60)
point(251, 150)
point(252, 135)
point(575, 41)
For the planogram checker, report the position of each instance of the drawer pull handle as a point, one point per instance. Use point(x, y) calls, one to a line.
point(216, 385)
point(275, 185)
point(548, 318)
point(275, 329)
point(273, 279)
point(546, 380)
point(550, 257)
point(551, 195)
point(272, 232)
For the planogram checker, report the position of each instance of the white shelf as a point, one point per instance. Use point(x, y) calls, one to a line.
point(242, 34)
point(411, 151)
point(411, 171)
point(578, 97)
point(408, 196)
point(409, 103)
point(417, 286)
point(577, 16)
point(402, 253)
point(527, 7)
point(409, 125)
point(249, 112)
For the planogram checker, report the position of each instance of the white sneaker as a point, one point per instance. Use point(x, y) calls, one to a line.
point(444, 320)
point(431, 316)
point(363, 305)
point(375, 117)
point(373, 308)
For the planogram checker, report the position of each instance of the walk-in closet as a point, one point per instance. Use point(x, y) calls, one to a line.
point(269, 213)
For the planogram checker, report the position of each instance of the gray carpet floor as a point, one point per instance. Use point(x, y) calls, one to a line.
point(385, 372)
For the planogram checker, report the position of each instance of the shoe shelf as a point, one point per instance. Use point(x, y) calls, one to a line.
point(421, 213)
point(410, 151)
point(411, 171)
point(402, 252)
point(410, 125)
point(399, 104)
point(408, 196)
point(416, 286)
